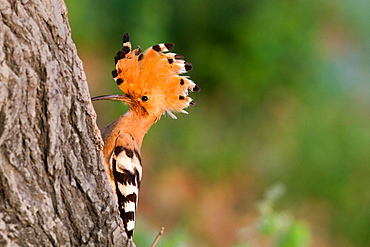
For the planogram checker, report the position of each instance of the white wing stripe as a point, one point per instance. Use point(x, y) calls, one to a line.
point(127, 189)
point(130, 225)
point(130, 207)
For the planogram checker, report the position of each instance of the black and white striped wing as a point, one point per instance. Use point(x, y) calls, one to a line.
point(127, 171)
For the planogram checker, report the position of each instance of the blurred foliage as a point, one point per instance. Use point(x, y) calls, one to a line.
point(280, 227)
point(285, 97)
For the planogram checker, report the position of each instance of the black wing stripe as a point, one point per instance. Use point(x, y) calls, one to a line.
point(126, 167)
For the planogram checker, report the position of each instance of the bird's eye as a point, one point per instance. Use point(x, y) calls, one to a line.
point(144, 98)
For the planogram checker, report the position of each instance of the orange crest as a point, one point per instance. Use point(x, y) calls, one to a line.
point(154, 76)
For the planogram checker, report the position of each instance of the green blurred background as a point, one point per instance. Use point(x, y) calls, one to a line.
point(276, 151)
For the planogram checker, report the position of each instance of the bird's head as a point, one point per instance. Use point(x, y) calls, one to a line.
point(152, 80)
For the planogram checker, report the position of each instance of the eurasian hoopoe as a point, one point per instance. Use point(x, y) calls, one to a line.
point(152, 85)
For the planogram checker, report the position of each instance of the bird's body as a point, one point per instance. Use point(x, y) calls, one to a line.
point(152, 85)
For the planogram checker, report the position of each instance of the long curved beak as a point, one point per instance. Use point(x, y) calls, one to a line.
point(120, 97)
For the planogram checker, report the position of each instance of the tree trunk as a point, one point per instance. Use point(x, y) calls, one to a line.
point(53, 188)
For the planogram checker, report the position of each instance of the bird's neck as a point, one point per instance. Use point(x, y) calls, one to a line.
point(130, 123)
point(137, 125)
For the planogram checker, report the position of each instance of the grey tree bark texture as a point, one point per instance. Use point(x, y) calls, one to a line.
point(53, 188)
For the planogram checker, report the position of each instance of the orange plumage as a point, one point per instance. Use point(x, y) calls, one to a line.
point(153, 85)
point(156, 75)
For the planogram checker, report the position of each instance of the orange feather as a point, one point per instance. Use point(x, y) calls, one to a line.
point(155, 75)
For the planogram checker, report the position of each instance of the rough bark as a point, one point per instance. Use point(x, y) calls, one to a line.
point(53, 188)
